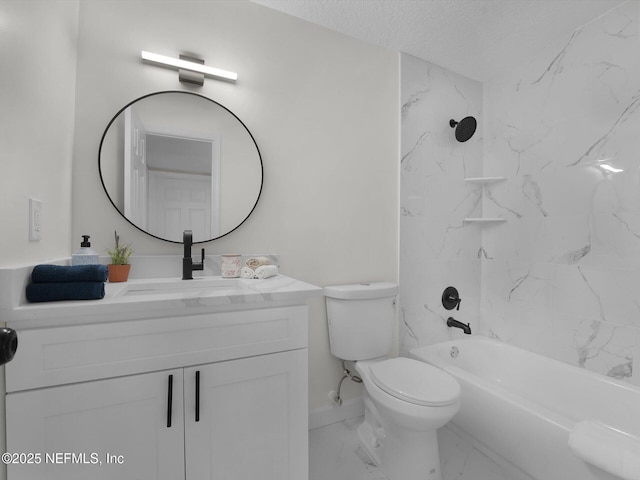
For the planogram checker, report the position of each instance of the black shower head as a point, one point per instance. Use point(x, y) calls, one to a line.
point(465, 128)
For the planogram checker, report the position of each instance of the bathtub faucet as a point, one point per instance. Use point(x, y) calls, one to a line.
point(452, 322)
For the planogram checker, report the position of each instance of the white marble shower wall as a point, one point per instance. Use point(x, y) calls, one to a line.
point(562, 276)
point(437, 248)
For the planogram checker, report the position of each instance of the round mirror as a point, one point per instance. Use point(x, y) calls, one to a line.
point(174, 161)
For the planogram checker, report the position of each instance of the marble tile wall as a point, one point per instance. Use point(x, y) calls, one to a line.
point(437, 248)
point(562, 276)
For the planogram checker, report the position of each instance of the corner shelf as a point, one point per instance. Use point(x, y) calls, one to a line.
point(484, 181)
point(484, 220)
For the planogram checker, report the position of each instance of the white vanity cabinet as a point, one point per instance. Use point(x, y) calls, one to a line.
point(123, 417)
point(213, 396)
point(251, 414)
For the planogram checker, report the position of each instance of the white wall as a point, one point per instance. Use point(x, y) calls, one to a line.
point(322, 107)
point(38, 43)
point(37, 93)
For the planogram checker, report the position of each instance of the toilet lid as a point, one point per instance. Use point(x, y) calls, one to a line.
point(415, 382)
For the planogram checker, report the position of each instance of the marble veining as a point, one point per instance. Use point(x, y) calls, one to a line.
point(500, 207)
point(531, 192)
point(594, 150)
point(556, 66)
point(414, 98)
point(560, 278)
point(574, 257)
point(406, 158)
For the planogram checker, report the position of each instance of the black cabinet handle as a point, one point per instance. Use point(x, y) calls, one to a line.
point(197, 395)
point(169, 401)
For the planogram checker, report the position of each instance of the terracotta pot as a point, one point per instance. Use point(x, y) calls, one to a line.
point(119, 273)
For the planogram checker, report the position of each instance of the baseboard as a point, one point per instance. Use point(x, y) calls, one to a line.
point(334, 413)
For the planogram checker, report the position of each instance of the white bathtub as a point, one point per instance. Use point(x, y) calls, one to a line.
point(526, 408)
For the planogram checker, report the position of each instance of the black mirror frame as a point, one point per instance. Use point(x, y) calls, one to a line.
point(104, 187)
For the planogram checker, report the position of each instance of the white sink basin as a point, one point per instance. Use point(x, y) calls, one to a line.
point(168, 286)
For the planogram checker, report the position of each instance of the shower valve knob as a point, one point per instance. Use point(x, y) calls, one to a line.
point(451, 298)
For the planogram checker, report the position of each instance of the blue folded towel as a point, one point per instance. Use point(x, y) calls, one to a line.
point(74, 273)
point(52, 292)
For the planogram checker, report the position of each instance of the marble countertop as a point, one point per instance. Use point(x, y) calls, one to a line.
point(164, 297)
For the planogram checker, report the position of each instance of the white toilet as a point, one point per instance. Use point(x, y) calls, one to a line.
point(405, 400)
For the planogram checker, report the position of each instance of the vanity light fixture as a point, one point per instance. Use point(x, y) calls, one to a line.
point(190, 65)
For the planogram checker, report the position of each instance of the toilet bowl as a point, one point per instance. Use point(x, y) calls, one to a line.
point(404, 406)
point(405, 400)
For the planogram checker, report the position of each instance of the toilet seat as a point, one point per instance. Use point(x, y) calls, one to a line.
point(415, 382)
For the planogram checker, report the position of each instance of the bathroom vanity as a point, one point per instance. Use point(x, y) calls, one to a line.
point(163, 379)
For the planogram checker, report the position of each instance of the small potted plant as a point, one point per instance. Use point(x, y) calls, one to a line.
point(119, 266)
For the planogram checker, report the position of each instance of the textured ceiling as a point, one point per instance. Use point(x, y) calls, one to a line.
point(477, 38)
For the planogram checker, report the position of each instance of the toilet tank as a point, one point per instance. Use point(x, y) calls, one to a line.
point(361, 319)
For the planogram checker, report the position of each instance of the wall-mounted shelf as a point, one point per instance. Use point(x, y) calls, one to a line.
point(484, 180)
point(484, 220)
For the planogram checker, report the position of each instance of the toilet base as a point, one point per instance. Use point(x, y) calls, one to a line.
point(402, 455)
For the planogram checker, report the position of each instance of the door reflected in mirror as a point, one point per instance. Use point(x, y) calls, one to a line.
point(175, 161)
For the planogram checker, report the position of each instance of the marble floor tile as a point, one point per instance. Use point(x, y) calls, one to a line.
point(335, 454)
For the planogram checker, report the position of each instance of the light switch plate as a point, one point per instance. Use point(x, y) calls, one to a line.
point(35, 220)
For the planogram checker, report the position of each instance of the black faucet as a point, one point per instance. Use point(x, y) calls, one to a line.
point(452, 322)
point(187, 262)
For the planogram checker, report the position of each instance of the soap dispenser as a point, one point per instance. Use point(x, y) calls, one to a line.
point(85, 255)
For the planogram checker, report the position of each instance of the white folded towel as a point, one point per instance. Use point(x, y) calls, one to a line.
point(255, 262)
point(247, 272)
point(611, 450)
point(266, 271)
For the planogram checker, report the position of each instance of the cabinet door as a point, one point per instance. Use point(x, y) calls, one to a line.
point(107, 429)
point(252, 422)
